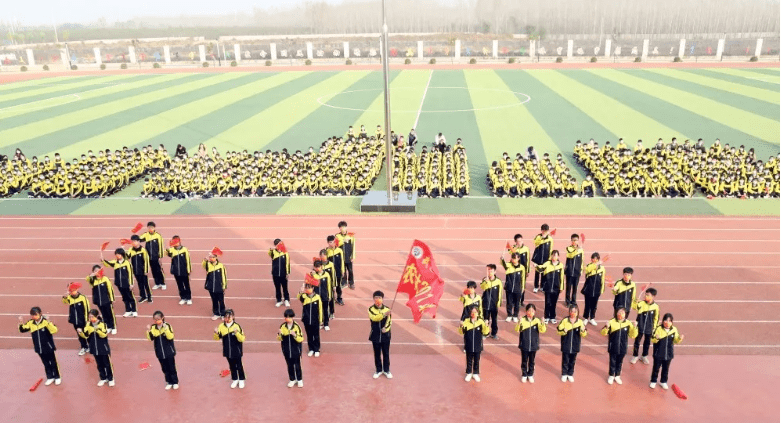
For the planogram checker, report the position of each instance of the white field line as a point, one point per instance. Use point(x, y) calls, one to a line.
point(417, 118)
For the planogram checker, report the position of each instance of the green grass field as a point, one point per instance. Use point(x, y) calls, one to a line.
point(493, 111)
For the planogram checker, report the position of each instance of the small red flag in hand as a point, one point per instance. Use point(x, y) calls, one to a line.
point(174, 242)
point(679, 393)
point(143, 366)
point(582, 239)
point(508, 246)
point(125, 241)
point(281, 247)
point(74, 286)
point(310, 280)
point(466, 291)
point(645, 287)
point(553, 232)
point(35, 385)
point(216, 251)
point(352, 234)
point(336, 242)
point(609, 281)
point(104, 245)
point(607, 257)
point(99, 273)
point(225, 372)
point(137, 228)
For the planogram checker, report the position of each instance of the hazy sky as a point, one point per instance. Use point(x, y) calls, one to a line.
point(35, 12)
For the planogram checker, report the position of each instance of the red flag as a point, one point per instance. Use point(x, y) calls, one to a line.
point(36, 384)
point(582, 239)
point(553, 232)
point(607, 257)
point(216, 251)
point(310, 280)
point(466, 291)
point(125, 241)
point(609, 281)
point(421, 281)
point(645, 287)
point(87, 360)
point(225, 372)
point(281, 247)
point(99, 273)
point(508, 246)
point(143, 366)
point(314, 259)
point(137, 228)
point(174, 242)
point(351, 234)
point(336, 242)
point(679, 393)
point(103, 247)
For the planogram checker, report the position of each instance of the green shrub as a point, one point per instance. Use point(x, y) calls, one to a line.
point(753, 59)
point(23, 69)
point(308, 62)
point(511, 60)
point(472, 61)
point(407, 61)
point(638, 59)
point(268, 62)
point(123, 66)
point(205, 64)
point(156, 65)
point(45, 67)
point(234, 64)
point(102, 66)
point(559, 59)
point(593, 59)
point(432, 61)
point(74, 67)
point(677, 59)
point(348, 62)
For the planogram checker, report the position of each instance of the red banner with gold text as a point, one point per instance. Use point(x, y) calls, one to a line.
point(421, 281)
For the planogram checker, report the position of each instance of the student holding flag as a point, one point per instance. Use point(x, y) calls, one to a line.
point(123, 279)
point(572, 269)
point(514, 284)
point(153, 244)
point(328, 267)
point(593, 287)
point(520, 248)
point(552, 277)
point(180, 268)
point(347, 242)
point(291, 336)
point(103, 297)
point(618, 330)
point(312, 314)
point(162, 336)
point(492, 297)
point(42, 330)
point(78, 310)
point(624, 291)
point(665, 336)
point(543, 244)
point(139, 261)
point(232, 336)
point(216, 282)
point(380, 335)
point(324, 289)
point(473, 328)
point(280, 269)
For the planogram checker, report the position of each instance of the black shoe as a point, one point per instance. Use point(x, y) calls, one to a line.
point(340, 302)
point(344, 284)
point(352, 286)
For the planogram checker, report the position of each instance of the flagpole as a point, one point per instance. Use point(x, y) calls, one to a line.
point(394, 299)
point(386, 90)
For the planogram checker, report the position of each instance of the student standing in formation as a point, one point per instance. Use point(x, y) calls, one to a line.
point(180, 268)
point(216, 284)
point(336, 257)
point(324, 289)
point(280, 269)
point(347, 242)
point(593, 287)
point(232, 337)
point(96, 335)
point(492, 297)
point(43, 343)
point(78, 310)
point(139, 261)
point(618, 330)
point(470, 300)
point(571, 330)
point(103, 297)
point(543, 244)
point(624, 291)
point(474, 329)
point(514, 284)
point(311, 316)
point(552, 273)
point(153, 243)
point(572, 269)
point(328, 267)
point(525, 260)
point(162, 336)
point(664, 337)
point(647, 321)
point(380, 335)
point(291, 337)
point(530, 329)
point(123, 279)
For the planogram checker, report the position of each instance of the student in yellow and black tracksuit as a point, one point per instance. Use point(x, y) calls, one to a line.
point(525, 259)
point(162, 336)
point(492, 297)
point(470, 300)
point(572, 269)
point(291, 336)
point(181, 268)
point(593, 287)
point(103, 297)
point(347, 243)
point(664, 337)
point(530, 329)
point(280, 269)
point(96, 335)
point(123, 279)
point(647, 321)
point(328, 267)
point(543, 244)
point(336, 257)
point(232, 337)
point(380, 335)
point(618, 330)
point(216, 284)
point(624, 290)
point(324, 289)
point(139, 260)
point(514, 284)
point(43, 343)
point(552, 279)
point(311, 316)
point(78, 309)
point(571, 329)
point(473, 328)
point(153, 243)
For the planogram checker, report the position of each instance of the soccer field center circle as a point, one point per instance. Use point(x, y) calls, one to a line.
point(521, 101)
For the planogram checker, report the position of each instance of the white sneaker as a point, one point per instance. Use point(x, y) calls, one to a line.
point(610, 380)
point(168, 387)
point(127, 314)
point(634, 360)
point(523, 379)
point(515, 320)
point(181, 302)
point(156, 287)
point(241, 384)
point(571, 378)
point(376, 375)
point(49, 382)
point(564, 378)
point(644, 359)
point(82, 351)
point(291, 384)
point(234, 384)
point(508, 319)
point(164, 287)
point(664, 386)
point(531, 379)
point(111, 383)
point(327, 328)
point(278, 304)
point(593, 322)
point(618, 380)
point(135, 314)
point(546, 321)
point(189, 302)
point(476, 378)
point(310, 353)
point(554, 321)
point(300, 383)
point(176, 386)
point(102, 382)
point(57, 381)
point(114, 331)
point(536, 289)
point(215, 317)
point(317, 354)
point(652, 385)
point(388, 375)
point(468, 377)
point(287, 303)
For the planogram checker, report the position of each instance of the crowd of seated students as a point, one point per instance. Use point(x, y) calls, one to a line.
point(528, 176)
point(678, 170)
point(442, 171)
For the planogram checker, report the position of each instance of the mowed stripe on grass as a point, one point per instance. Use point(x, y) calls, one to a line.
point(37, 93)
point(742, 88)
point(741, 76)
